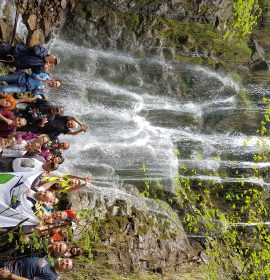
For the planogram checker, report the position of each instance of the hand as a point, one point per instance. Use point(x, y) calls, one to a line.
point(84, 127)
point(89, 185)
point(9, 122)
point(4, 273)
point(44, 119)
point(32, 99)
point(88, 178)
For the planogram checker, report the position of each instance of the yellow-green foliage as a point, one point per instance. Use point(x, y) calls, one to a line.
point(245, 17)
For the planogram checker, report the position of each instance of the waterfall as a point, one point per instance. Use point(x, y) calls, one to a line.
point(137, 116)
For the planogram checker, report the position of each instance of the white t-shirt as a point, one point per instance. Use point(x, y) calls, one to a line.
point(17, 150)
point(13, 153)
point(26, 164)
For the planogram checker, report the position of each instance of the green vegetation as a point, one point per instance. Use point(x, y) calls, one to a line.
point(245, 17)
point(98, 271)
point(232, 218)
point(204, 39)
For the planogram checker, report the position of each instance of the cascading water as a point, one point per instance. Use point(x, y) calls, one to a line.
point(137, 116)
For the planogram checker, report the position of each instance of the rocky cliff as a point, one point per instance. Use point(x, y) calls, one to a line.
point(36, 21)
point(179, 30)
point(133, 236)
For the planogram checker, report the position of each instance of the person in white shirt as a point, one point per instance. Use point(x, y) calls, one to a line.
point(24, 164)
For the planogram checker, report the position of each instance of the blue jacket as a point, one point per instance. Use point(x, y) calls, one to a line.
point(26, 57)
point(30, 83)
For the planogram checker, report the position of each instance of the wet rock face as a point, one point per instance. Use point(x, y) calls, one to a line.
point(6, 20)
point(42, 17)
point(134, 237)
point(129, 25)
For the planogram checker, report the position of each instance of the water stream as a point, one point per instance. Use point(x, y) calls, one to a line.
point(137, 116)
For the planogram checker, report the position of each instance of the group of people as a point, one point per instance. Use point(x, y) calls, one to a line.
point(30, 127)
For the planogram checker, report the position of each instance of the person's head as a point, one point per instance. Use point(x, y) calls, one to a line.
point(55, 83)
point(63, 145)
point(57, 110)
point(74, 182)
point(60, 215)
point(43, 139)
point(56, 187)
point(8, 102)
point(51, 61)
point(33, 147)
point(76, 251)
point(5, 103)
point(63, 232)
point(55, 201)
point(59, 248)
point(20, 122)
point(72, 124)
point(50, 166)
point(58, 159)
point(64, 265)
point(44, 196)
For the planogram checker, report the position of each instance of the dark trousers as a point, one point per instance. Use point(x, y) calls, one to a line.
point(6, 164)
point(5, 49)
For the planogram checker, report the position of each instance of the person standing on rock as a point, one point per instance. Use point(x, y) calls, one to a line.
point(22, 57)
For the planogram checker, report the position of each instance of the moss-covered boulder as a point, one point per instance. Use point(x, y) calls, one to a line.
point(132, 236)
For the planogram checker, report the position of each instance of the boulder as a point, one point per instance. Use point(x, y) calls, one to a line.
point(132, 236)
point(63, 4)
point(259, 65)
point(5, 30)
point(47, 25)
point(32, 22)
point(35, 37)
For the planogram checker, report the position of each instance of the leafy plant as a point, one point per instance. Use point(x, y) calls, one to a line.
point(245, 17)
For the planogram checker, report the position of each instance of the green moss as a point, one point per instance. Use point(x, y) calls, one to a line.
point(142, 230)
point(81, 13)
point(143, 3)
point(122, 222)
point(165, 236)
point(132, 21)
point(166, 225)
point(198, 37)
point(243, 98)
point(236, 77)
point(7, 12)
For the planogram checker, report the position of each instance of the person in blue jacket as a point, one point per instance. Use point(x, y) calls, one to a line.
point(30, 268)
point(37, 84)
point(36, 58)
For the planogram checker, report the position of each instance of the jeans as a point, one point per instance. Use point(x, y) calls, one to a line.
point(12, 88)
point(11, 78)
